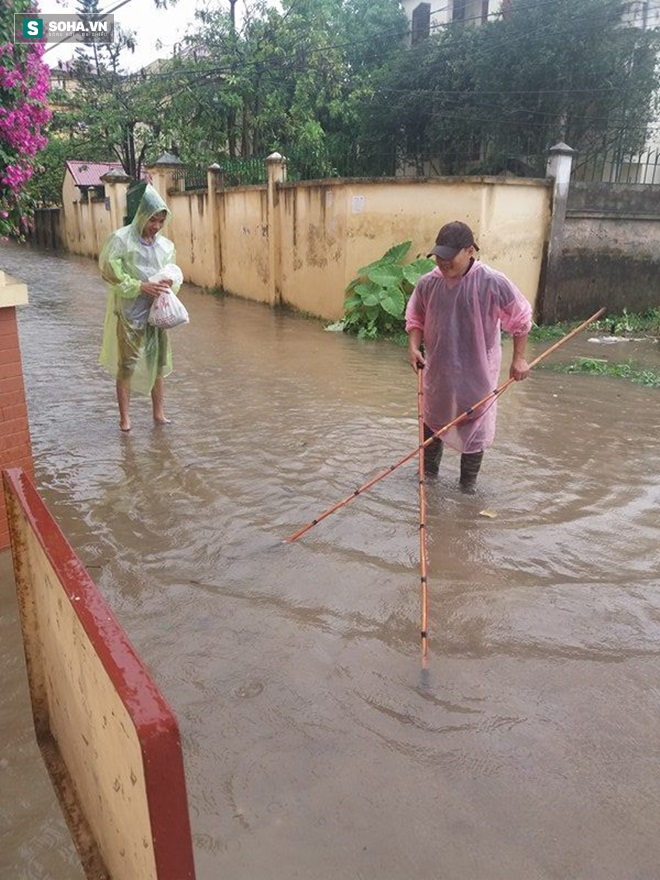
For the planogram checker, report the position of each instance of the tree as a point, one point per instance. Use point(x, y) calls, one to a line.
point(475, 97)
point(108, 115)
point(288, 80)
point(23, 119)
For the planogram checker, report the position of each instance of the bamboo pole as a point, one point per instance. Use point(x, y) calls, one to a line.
point(423, 545)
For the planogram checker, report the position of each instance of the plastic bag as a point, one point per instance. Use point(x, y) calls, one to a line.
point(170, 272)
point(168, 311)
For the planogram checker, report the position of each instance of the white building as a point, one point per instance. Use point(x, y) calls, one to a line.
point(426, 18)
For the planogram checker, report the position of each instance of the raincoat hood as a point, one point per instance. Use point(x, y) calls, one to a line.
point(151, 203)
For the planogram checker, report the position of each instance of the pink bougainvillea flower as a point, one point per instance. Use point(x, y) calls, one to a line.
point(23, 116)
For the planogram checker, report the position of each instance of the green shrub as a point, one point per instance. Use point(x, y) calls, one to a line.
point(376, 300)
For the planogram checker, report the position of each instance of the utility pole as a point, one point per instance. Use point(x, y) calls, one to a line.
point(232, 14)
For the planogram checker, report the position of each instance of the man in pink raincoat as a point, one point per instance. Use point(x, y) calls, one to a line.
point(457, 312)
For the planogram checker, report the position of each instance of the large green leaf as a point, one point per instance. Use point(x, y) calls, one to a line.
point(394, 303)
point(365, 270)
point(412, 272)
point(387, 276)
point(397, 252)
point(422, 265)
point(364, 290)
point(371, 299)
point(352, 302)
point(393, 255)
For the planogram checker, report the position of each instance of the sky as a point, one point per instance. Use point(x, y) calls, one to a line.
point(150, 24)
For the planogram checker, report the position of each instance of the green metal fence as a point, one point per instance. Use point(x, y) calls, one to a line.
point(193, 176)
point(603, 167)
point(617, 166)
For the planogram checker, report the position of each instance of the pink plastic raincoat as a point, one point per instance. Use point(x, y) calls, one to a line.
point(461, 327)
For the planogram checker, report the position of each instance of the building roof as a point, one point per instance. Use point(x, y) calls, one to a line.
point(90, 173)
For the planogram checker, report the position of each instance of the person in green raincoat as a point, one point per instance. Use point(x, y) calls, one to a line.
point(137, 354)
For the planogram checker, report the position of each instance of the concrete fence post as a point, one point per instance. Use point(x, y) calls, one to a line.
point(276, 168)
point(214, 185)
point(166, 175)
point(558, 168)
point(116, 183)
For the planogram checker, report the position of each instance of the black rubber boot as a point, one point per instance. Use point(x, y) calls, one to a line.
point(470, 464)
point(432, 454)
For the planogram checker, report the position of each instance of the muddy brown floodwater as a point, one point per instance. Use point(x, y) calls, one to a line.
point(314, 745)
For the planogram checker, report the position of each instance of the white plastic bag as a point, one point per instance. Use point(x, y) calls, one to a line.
point(168, 311)
point(170, 272)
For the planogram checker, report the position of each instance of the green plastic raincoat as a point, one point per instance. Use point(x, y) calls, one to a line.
point(133, 350)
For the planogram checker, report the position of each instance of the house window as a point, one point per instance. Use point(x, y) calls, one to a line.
point(458, 10)
point(421, 22)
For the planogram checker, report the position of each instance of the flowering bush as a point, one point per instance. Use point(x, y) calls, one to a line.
point(23, 117)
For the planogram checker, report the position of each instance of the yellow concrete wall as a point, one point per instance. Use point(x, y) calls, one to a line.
point(243, 234)
point(332, 229)
point(324, 231)
point(85, 226)
point(512, 230)
point(313, 246)
point(189, 229)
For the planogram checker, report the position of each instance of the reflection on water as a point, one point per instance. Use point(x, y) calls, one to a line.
point(314, 744)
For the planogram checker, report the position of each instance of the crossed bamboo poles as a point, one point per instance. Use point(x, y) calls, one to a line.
point(423, 549)
point(492, 395)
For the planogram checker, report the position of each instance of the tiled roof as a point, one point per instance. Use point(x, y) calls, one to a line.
point(89, 173)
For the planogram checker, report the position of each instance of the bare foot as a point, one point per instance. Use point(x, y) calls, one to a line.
point(125, 426)
point(162, 420)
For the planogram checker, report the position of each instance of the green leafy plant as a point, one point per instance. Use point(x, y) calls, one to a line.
point(647, 323)
point(376, 299)
point(600, 367)
point(543, 332)
point(629, 322)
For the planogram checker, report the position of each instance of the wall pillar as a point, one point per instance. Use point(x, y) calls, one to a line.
point(15, 444)
point(116, 183)
point(276, 168)
point(165, 175)
point(558, 168)
point(214, 185)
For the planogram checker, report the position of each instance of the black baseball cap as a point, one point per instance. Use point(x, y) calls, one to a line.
point(451, 239)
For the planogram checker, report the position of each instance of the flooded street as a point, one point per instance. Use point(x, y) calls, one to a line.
point(314, 745)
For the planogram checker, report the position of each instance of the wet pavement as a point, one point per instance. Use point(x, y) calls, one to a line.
point(315, 745)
